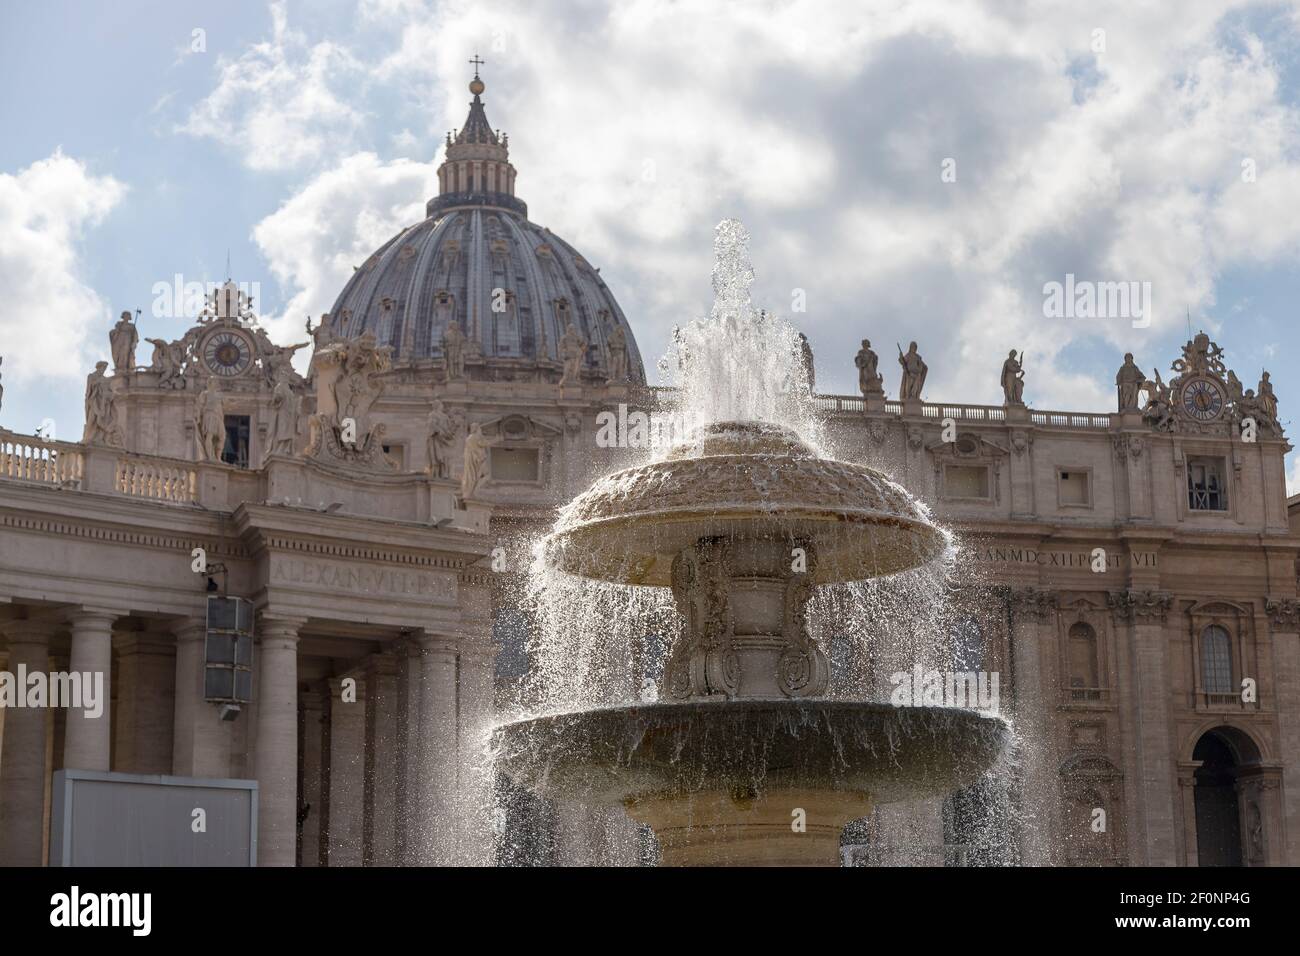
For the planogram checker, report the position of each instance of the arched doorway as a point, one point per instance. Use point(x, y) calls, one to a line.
point(1224, 753)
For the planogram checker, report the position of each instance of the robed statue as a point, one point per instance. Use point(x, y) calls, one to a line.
point(914, 372)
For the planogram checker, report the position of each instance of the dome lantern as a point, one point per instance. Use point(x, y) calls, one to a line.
point(476, 169)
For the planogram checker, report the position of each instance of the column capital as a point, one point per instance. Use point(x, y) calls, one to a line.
point(381, 664)
point(436, 643)
point(30, 630)
point(279, 628)
point(190, 629)
point(1034, 604)
point(1140, 607)
point(95, 618)
point(1283, 614)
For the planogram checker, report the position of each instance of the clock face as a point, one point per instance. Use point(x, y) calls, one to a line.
point(227, 354)
point(1203, 399)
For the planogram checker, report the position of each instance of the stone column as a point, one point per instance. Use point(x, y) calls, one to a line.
point(145, 706)
point(88, 738)
point(312, 715)
point(1144, 613)
point(437, 785)
point(22, 760)
point(1284, 626)
point(379, 835)
point(201, 740)
point(1033, 611)
point(477, 690)
point(277, 741)
point(408, 746)
point(347, 743)
point(1187, 803)
point(1129, 448)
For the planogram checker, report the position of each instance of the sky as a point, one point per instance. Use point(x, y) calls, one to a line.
point(907, 171)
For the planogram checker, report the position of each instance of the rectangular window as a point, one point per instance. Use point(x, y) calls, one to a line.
point(513, 464)
point(1074, 488)
point(1206, 489)
point(966, 481)
point(236, 450)
point(398, 454)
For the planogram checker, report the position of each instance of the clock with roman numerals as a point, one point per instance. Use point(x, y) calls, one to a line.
point(227, 353)
point(1203, 399)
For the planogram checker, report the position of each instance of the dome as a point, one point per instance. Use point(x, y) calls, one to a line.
point(512, 286)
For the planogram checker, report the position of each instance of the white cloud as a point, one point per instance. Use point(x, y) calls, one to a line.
point(316, 238)
point(45, 211)
point(278, 105)
point(635, 129)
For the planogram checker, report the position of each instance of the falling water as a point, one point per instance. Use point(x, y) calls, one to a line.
point(594, 644)
point(740, 363)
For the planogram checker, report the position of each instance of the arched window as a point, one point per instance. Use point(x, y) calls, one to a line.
point(1216, 660)
point(1085, 681)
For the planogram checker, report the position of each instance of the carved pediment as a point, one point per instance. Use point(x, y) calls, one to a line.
point(520, 428)
point(968, 446)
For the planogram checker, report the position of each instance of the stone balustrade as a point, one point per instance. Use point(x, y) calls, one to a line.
point(935, 411)
point(216, 486)
point(142, 477)
point(30, 458)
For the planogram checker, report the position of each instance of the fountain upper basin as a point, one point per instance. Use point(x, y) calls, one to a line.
point(614, 755)
point(743, 480)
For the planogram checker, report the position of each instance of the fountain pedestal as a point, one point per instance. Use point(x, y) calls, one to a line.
point(778, 827)
point(744, 762)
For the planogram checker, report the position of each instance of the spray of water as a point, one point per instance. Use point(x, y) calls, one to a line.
point(595, 644)
point(740, 363)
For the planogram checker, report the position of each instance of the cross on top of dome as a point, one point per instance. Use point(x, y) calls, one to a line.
point(476, 169)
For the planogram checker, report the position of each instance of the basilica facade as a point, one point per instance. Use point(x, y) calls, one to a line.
point(357, 520)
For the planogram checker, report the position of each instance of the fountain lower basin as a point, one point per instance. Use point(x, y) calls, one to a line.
point(721, 782)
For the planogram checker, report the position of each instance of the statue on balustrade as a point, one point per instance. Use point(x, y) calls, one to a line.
point(1236, 391)
point(168, 359)
point(870, 381)
point(101, 409)
point(322, 335)
point(347, 375)
point(1129, 381)
point(573, 352)
point(806, 363)
point(1013, 379)
point(278, 360)
point(914, 372)
point(1159, 409)
point(285, 406)
point(453, 350)
point(122, 340)
point(475, 465)
point(1267, 400)
point(439, 429)
point(210, 422)
point(617, 353)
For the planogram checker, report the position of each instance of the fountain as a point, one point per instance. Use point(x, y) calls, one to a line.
point(744, 759)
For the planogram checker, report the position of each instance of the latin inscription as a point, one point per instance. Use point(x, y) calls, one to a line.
point(1062, 559)
point(361, 579)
